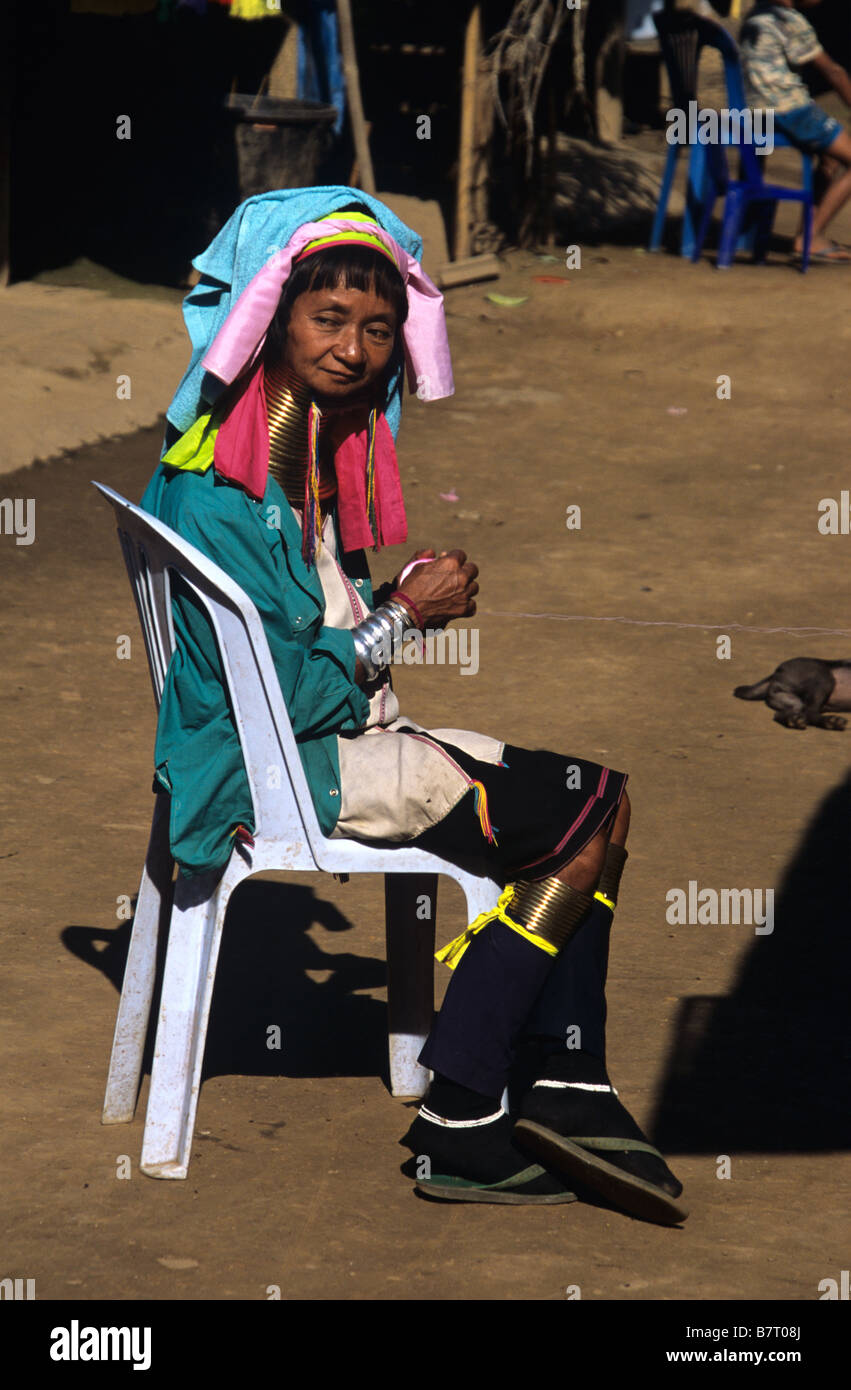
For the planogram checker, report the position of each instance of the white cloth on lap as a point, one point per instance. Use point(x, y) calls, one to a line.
point(393, 785)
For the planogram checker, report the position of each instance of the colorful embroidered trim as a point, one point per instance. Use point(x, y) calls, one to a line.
point(311, 525)
point(370, 478)
point(481, 804)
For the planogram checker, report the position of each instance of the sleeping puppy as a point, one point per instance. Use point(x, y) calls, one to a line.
point(802, 689)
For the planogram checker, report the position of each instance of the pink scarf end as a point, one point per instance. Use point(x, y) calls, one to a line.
point(241, 454)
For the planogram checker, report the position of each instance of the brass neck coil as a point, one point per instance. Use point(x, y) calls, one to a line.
point(287, 406)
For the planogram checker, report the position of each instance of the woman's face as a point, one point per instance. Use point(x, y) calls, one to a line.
point(339, 342)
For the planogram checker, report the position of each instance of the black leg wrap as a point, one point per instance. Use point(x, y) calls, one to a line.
point(570, 1011)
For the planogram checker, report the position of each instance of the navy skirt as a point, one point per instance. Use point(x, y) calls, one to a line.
point(544, 808)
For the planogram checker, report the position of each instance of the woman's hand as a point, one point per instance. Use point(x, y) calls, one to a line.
point(444, 589)
point(417, 555)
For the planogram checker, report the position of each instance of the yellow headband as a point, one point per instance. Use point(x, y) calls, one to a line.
point(363, 238)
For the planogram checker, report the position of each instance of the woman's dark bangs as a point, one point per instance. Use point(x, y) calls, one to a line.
point(356, 268)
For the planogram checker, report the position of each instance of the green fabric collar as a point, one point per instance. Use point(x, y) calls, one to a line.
point(193, 451)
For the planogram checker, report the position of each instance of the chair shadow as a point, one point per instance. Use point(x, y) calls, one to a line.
point(264, 984)
point(765, 1068)
point(779, 247)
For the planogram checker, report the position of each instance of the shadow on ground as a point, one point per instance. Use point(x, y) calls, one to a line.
point(766, 1068)
point(264, 981)
point(763, 1069)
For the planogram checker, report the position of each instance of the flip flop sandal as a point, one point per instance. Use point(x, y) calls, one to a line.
point(507, 1191)
point(574, 1158)
point(834, 254)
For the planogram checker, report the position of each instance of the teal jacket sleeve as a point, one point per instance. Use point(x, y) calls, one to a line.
point(315, 664)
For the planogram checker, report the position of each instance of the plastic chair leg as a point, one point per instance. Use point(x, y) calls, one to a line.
point(746, 241)
point(700, 197)
point(153, 907)
point(190, 971)
point(664, 195)
point(410, 967)
point(410, 903)
point(730, 229)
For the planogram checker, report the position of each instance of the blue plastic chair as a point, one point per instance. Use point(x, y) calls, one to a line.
point(682, 35)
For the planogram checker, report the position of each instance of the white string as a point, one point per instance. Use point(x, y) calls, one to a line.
point(649, 622)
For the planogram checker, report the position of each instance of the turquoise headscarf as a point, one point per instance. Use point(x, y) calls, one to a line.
point(260, 227)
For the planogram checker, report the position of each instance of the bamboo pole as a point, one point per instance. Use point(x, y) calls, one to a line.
point(466, 145)
point(350, 72)
point(479, 204)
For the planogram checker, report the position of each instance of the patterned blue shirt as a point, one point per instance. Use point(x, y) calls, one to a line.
point(773, 41)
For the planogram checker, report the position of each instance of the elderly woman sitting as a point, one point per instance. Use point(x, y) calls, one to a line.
point(280, 465)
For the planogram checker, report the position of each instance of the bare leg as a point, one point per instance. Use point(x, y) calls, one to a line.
point(583, 871)
point(835, 196)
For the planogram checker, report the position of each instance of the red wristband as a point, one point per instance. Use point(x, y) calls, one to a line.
point(410, 602)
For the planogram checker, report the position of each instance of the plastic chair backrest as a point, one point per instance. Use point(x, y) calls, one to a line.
point(682, 35)
point(680, 41)
point(151, 550)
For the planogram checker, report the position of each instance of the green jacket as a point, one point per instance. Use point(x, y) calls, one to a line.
point(198, 758)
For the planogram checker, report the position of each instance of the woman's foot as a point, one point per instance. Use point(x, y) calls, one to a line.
point(572, 1120)
point(473, 1158)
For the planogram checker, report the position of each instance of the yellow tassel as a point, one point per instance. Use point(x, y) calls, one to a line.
point(370, 479)
point(451, 953)
point(312, 519)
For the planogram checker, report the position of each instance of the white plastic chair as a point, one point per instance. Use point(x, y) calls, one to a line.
point(287, 836)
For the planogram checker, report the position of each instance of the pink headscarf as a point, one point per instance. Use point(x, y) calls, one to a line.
point(242, 443)
point(243, 332)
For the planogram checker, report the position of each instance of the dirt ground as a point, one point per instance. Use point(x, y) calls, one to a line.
point(699, 519)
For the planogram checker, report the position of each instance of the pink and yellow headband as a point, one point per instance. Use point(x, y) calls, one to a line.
point(357, 238)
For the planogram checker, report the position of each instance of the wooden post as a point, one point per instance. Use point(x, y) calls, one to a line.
point(466, 145)
point(355, 171)
point(350, 72)
point(484, 118)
